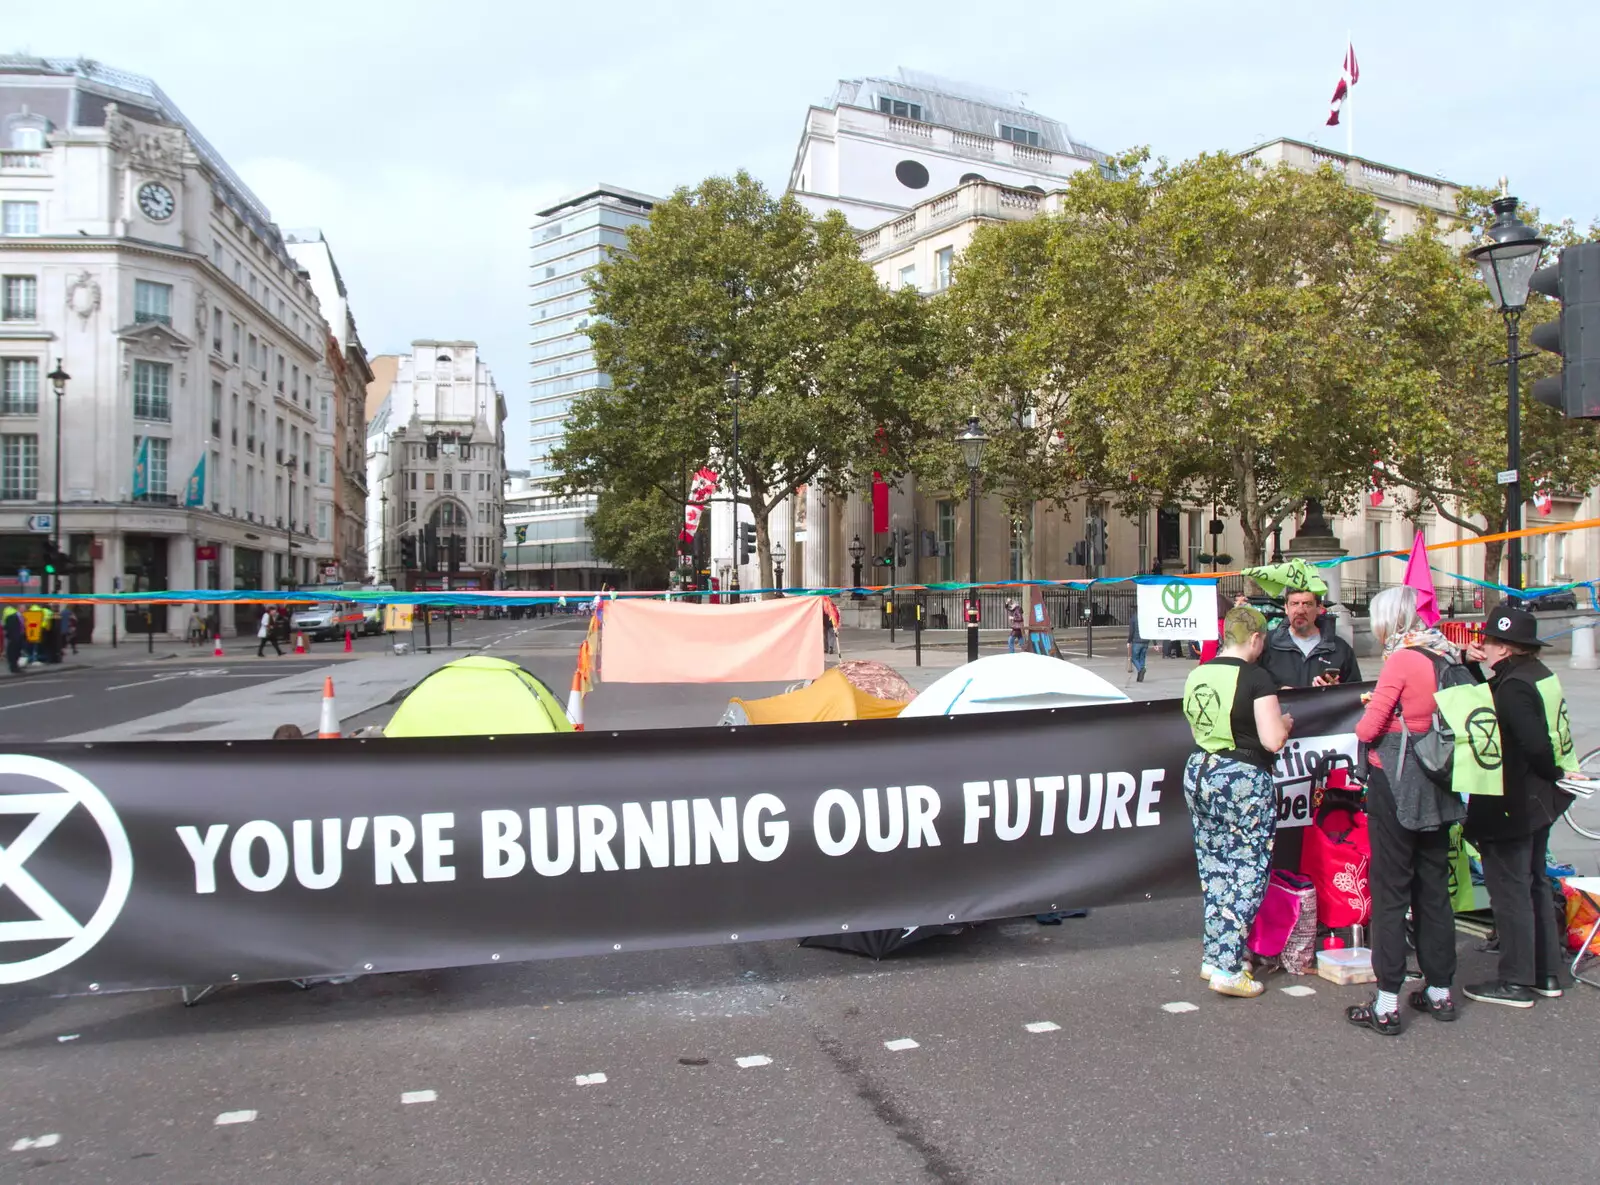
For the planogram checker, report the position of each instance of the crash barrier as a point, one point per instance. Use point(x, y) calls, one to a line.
point(1463, 633)
point(567, 600)
point(443, 853)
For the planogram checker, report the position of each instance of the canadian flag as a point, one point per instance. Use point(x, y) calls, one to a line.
point(1375, 490)
point(1541, 501)
point(1350, 76)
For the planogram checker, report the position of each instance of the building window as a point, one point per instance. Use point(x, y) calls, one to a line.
point(254, 287)
point(19, 300)
point(947, 540)
point(323, 529)
point(900, 108)
point(216, 332)
point(250, 352)
point(19, 218)
point(152, 381)
point(412, 477)
point(19, 466)
point(908, 276)
point(942, 260)
point(152, 302)
point(234, 342)
point(27, 139)
point(1196, 541)
point(156, 474)
point(411, 512)
point(449, 481)
point(324, 463)
point(483, 513)
point(19, 386)
point(216, 410)
point(427, 481)
point(216, 253)
point(280, 374)
point(1019, 135)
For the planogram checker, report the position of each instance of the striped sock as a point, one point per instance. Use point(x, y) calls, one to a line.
point(1387, 1003)
point(1438, 995)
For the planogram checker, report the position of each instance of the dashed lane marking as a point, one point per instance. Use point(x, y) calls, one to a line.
point(1042, 1026)
point(1299, 989)
point(229, 1117)
point(900, 1044)
point(65, 1037)
point(33, 703)
point(589, 1079)
point(26, 1143)
point(419, 1096)
point(1180, 1006)
point(751, 1062)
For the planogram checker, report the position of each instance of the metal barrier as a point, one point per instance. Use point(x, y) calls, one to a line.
point(1463, 633)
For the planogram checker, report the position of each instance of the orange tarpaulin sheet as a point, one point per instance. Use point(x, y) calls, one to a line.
point(759, 642)
point(832, 697)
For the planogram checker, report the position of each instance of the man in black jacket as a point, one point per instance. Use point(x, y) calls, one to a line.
point(1512, 832)
point(1305, 651)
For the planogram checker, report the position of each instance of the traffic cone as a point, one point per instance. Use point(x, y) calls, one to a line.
point(299, 643)
point(216, 649)
point(575, 704)
point(329, 728)
point(347, 646)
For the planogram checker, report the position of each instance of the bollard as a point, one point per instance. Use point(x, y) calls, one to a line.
point(918, 627)
point(1583, 656)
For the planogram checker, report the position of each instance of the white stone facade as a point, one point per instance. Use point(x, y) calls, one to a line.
point(436, 456)
point(131, 253)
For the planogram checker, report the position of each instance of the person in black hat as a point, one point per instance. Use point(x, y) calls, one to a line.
point(1512, 832)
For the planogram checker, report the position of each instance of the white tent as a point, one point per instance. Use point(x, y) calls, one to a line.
point(1011, 682)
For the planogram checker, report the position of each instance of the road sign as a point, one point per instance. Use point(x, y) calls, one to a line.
point(1505, 477)
point(41, 524)
point(24, 575)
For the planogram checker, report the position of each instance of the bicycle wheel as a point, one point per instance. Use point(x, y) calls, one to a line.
point(1583, 816)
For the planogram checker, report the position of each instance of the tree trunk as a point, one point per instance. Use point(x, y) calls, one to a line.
point(1252, 517)
point(1492, 554)
point(1027, 543)
point(760, 511)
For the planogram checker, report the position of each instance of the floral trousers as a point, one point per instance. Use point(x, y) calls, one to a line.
point(1235, 813)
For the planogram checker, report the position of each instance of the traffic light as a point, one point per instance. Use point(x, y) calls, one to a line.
point(430, 548)
point(1574, 280)
point(1097, 539)
point(408, 551)
point(455, 551)
point(894, 548)
point(902, 549)
point(747, 542)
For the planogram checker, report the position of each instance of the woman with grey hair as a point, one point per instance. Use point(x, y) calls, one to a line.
point(1408, 819)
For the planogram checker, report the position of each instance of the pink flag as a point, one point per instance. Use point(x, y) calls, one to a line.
point(1347, 79)
point(1420, 578)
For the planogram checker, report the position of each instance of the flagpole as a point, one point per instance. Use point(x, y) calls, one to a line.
point(1349, 101)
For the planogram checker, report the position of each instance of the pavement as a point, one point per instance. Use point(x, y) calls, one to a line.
point(1014, 1052)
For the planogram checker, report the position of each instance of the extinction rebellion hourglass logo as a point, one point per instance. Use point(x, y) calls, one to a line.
point(47, 794)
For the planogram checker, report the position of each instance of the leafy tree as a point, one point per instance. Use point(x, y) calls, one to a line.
point(1451, 345)
point(638, 532)
point(737, 315)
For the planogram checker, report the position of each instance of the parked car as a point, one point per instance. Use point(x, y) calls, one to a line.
point(1567, 599)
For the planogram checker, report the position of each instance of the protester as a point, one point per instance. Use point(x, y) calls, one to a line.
point(1210, 648)
point(50, 636)
point(71, 634)
point(1014, 619)
point(1512, 832)
point(1138, 648)
point(1409, 820)
point(264, 634)
point(288, 732)
point(1305, 651)
point(1232, 708)
point(11, 623)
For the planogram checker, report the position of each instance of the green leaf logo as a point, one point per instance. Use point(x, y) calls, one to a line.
point(1176, 598)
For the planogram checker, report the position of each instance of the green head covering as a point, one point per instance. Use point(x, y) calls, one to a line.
point(1290, 576)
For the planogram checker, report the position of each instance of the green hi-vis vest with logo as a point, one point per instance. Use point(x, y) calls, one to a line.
point(1468, 708)
point(1558, 721)
point(1208, 696)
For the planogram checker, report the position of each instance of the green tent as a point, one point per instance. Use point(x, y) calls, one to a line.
point(478, 696)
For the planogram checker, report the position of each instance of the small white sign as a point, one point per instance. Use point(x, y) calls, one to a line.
point(1178, 609)
point(41, 524)
point(1506, 476)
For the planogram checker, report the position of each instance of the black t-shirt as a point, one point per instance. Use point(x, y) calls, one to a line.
point(1254, 683)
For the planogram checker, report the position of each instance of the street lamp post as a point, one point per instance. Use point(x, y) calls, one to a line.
point(383, 537)
point(972, 439)
point(1507, 263)
point(857, 550)
point(733, 584)
point(58, 381)
point(778, 556)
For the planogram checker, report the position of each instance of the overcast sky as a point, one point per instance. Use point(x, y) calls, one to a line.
point(421, 137)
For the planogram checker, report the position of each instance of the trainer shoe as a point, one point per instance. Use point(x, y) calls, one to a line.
point(1240, 984)
point(1510, 994)
point(1549, 987)
point(1207, 971)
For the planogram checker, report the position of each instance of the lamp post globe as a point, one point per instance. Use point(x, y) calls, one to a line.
point(971, 441)
point(1506, 263)
point(857, 550)
point(779, 554)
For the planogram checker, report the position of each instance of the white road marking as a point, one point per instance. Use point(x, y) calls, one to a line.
point(899, 1044)
point(1042, 1026)
point(1299, 989)
point(419, 1096)
point(589, 1079)
point(228, 1117)
point(67, 1037)
point(35, 702)
point(1180, 1006)
point(49, 1141)
point(754, 1060)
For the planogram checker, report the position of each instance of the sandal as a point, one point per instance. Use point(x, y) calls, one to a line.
point(1364, 1015)
point(1444, 1009)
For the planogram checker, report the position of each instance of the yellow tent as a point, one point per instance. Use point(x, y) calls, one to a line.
point(478, 696)
point(832, 697)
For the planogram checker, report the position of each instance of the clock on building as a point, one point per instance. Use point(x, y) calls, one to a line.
point(156, 200)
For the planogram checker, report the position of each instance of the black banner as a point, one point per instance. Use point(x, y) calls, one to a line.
point(157, 865)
